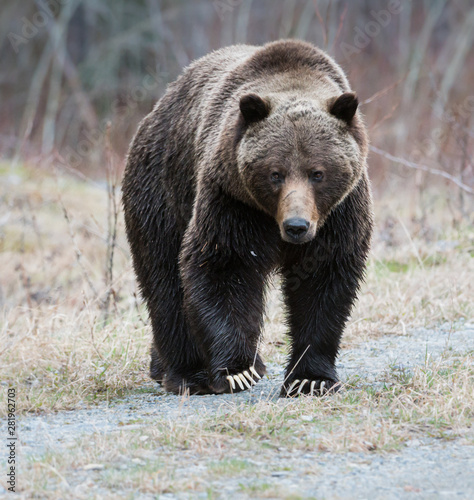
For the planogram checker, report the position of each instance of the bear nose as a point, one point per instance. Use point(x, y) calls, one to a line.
point(296, 227)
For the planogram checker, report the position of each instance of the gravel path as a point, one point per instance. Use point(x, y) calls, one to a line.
point(424, 469)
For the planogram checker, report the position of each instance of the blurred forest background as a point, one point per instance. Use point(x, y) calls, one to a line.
point(76, 71)
point(76, 77)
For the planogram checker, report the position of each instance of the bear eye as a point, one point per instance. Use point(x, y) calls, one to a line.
point(317, 176)
point(276, 177)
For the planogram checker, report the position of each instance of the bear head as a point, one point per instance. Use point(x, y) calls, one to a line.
point(298, 159)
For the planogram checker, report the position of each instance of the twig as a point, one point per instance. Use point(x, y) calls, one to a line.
point(59, 161)
point(93, 343)
point(76, 248)
point(293, 369)
point(327, 22)
point(339, 29)
point(385, 117)
point(25, 281)
point(410, 164)
point(321, 22)
point(52, 469)
point(112, 220)
point(383, 91)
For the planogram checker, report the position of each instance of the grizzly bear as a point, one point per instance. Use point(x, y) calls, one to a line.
point(253, 162)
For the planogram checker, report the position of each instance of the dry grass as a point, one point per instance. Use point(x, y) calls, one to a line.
point(191, 454)
point(58, 345)
point(437, 399)
point(60, 348)
point(61, 351)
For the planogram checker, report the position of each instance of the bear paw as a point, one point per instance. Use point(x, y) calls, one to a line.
point(237, 377)
point(191, 383)
point(243, 380)
point(309, 387)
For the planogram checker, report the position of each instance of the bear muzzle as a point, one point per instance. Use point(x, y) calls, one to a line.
point(296, 227)
point(297, 230)
point(297, 214)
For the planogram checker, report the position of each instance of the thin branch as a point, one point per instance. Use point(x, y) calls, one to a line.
point(417, 166)
point(327, 22)
point(59, 163)
point(112, 222)
point(339, 29)
point(76, 247)
point(380, 93)
point(385, 117)
point(321, 22)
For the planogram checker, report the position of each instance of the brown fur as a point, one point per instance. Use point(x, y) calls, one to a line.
point(297, 200)
point(247, 140)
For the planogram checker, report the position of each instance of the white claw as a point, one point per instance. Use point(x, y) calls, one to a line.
point(244, 380)
point(311, 389)
point(254, 371)
point(302, 385)
point(247, 374)
point(231, 381)
point(293, 385)
point(321, 387)
point(237, 379)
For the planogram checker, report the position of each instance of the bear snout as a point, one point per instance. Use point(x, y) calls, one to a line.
point(297, 230)
point(296, 227)
point(297, 214)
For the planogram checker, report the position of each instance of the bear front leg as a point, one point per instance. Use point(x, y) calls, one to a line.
point(319, 296)
point(223, 281)
point(224, 309)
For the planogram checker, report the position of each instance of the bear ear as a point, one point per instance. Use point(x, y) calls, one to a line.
point(344, 107)
point(254, 108)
